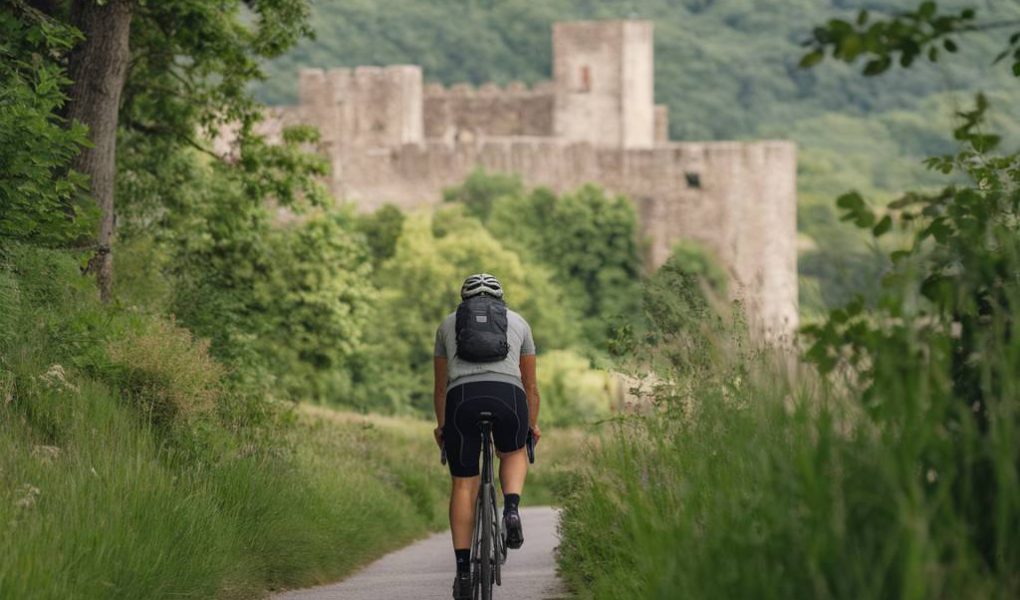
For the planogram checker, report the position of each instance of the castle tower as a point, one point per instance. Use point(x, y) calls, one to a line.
point(366, 107)
point(604, 83)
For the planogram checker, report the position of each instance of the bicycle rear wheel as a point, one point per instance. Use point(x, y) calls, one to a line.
point(486, 551)
point(499, 542)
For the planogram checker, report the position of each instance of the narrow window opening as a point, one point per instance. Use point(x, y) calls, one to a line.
point(693, 180)
point(585, 79)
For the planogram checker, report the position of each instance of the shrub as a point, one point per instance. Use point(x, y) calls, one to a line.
point(572, 391)
point(168, 374)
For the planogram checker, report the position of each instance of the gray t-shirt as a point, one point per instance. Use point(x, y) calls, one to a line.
point(458, 371)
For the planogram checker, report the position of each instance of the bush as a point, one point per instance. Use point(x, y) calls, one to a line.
point(481, 190)
point(310, 308)
point(166, 372)
point(684, 291)
point(572, 391)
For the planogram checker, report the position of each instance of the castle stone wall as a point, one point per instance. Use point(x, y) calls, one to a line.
point(736, 199)
point(464, 113)
point(661, 123)
point(365, 106)
point(638, 78)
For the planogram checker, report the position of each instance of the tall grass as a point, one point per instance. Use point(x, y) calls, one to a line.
point(763, 488)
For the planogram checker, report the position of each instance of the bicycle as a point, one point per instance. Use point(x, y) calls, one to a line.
point(488, 551)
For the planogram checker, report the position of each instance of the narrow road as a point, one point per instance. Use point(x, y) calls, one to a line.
point(424, 571)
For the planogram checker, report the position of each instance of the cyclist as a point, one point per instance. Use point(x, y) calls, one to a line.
point(484, 361)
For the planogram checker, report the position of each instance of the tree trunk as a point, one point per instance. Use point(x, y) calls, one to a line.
point(98, 67)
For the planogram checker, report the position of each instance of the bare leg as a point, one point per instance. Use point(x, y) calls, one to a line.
point(462, 509)
point(513, 467)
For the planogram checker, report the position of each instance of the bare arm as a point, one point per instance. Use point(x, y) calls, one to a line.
point(531, 388)
point(439, 395)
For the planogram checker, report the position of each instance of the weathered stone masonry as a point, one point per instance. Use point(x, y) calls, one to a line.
point(392, 139)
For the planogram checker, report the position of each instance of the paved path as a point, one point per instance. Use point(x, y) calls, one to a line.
point(424, 571)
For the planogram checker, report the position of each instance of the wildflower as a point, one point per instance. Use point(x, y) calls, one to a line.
point(56, 377)
point(45, 454)
point(27, 495)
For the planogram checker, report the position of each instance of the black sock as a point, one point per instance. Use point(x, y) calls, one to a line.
point(510, 502)
point(463, 560)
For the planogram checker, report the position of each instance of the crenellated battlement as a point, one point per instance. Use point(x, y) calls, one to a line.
point(489, 90)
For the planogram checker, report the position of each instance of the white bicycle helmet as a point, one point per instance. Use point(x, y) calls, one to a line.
point(481, 283)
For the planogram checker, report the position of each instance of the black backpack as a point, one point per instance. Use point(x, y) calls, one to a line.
point(481, 329)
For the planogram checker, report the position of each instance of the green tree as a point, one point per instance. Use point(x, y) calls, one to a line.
point(382, 230)
point(590, 242)
point(314, 304)
point(481, 189)
point(283, 303)
point(41, 198)
point(168, 68)
point(419, 286)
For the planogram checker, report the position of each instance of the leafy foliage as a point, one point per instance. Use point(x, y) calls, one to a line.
point(680, 295)
point(572, 391)
point(903, 37)
point(419, 286)
point(939, 346)
point(586, 238)
point(41, 199)
point(481, 190)
point(283, 304)
point(192, 62)
point(381, 230)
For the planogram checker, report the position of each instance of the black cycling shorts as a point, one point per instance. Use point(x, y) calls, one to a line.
point(461, 435)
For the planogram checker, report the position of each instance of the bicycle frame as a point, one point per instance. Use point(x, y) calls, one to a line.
point(489, 552)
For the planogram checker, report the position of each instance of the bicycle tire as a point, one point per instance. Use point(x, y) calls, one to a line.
point(499, 543)
point(486, 554)
point(476, 552)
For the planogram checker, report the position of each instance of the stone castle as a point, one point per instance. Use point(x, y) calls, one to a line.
point(392, 139)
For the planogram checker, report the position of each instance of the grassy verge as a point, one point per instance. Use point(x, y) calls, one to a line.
point(105, 511)
point(748, 487)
